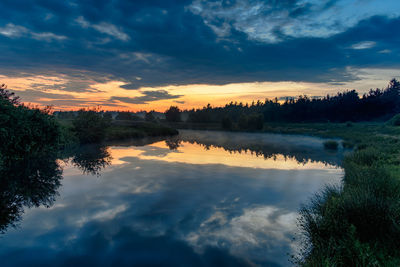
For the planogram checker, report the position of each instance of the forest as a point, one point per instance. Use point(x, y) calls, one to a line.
point(378, 104)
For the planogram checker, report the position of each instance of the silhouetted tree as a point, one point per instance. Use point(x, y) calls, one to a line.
point(128, 116)
point(173, 114)
point(150, 116)
point(8, 96)
point(342, 107)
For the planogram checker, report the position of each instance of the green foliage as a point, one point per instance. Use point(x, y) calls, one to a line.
point(90, 126)
point(347, 144)
point(25, 131)
point(173, 114)
point(331, 144)
point(358, 224)
point(395, 120)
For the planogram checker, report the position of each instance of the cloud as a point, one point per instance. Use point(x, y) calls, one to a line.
point(198, 42)
point(105, 28)
point(363, 45)
point(273, 22)
point(15, 31)
point(12, 31)
point(148, 96)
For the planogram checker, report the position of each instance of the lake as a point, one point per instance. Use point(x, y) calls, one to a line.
point(198, 199)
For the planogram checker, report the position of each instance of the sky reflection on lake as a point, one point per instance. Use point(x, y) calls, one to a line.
point(196, 204)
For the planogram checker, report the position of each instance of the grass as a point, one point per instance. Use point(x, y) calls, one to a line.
point(357, 223)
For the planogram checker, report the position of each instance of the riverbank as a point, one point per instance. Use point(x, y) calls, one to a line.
point(358, 223)
point(120, 130)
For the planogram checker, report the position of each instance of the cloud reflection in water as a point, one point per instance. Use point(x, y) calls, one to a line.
point(187, 206)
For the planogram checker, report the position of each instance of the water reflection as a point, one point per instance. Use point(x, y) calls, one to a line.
point(91, 159)
point(303, 149)
point(31, 181)
point(174, 203)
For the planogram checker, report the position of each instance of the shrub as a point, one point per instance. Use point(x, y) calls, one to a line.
point(90, 126)
point(395, 120)
point(25, 131)
point(347, 144)
point(331, 144)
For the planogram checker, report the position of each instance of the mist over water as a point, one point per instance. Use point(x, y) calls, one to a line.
point(200, 198)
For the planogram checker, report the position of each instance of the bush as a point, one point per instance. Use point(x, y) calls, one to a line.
point(347, 144)
point(90, 126)
point(395, 120)
point(25, 131)
point(331, 145)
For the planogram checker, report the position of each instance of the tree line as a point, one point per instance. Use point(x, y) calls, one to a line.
point(342, 107)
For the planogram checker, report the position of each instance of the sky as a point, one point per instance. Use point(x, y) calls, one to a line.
point(150, 54)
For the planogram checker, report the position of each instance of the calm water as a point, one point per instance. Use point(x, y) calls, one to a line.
point(202, 198)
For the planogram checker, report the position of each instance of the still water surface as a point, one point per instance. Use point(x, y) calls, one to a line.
point(201, 198)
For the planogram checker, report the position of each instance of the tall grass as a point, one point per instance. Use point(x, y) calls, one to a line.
point(357, 224)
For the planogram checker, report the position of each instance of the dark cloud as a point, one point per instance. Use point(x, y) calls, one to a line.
point(157, 43)
point(148, 96)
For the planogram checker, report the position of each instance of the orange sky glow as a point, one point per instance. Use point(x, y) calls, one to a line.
point(44, 90)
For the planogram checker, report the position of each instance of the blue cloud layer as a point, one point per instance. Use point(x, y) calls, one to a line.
point(156, 43)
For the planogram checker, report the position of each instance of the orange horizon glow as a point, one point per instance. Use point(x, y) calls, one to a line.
point(41, 90)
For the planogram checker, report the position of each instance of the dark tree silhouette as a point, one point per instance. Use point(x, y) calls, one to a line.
point(173, 114)
point(342, 107)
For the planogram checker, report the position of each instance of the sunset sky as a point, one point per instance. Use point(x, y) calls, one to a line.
point(144, 54)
